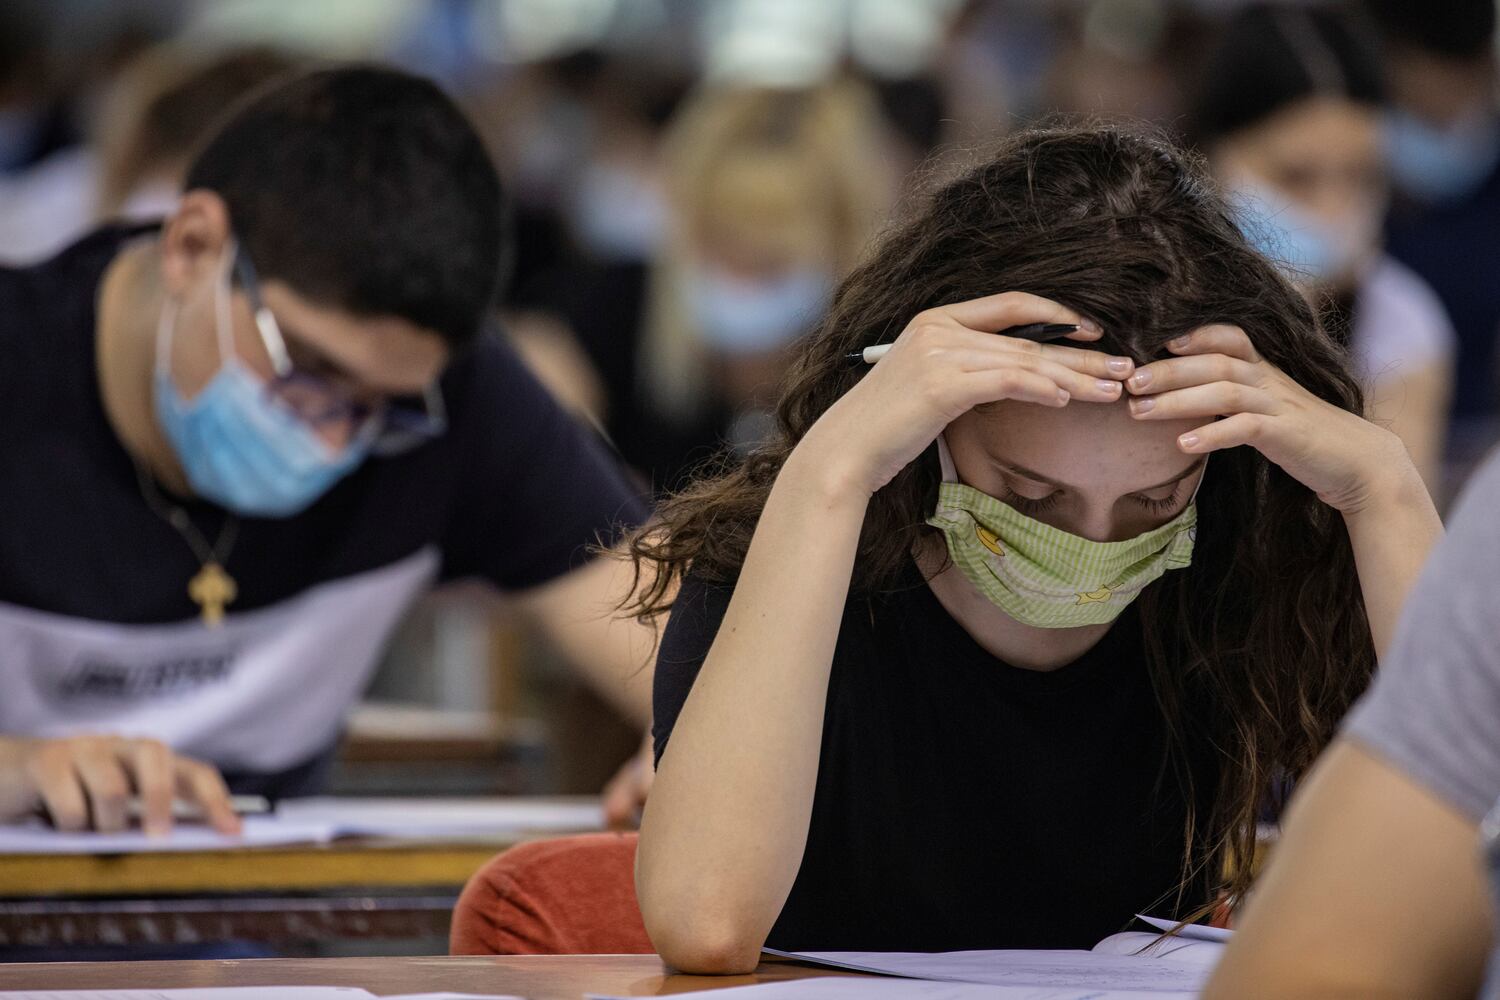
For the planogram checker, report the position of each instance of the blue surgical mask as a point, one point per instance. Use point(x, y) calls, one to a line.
point(618, 214)
point(1308, 247)
point(751, 317)
point(1442, 164)
point(238, 445)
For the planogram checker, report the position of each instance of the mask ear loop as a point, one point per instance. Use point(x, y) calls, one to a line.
point(165, 327)
point(223, 317)
point(1202, 475)
point(945, 460)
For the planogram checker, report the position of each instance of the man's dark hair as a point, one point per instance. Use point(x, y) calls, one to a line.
point(1452, 29)
point(364, 189)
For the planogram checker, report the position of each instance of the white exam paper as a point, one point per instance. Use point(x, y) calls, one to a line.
point(1195, 932)
point(841, 988)
point(238, 993)
point(220, 993)
point(1052, 969)
point(259, 831)
point(444, 818)
point(320, 820)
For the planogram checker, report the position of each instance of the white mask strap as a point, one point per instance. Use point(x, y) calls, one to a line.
point(945, 459)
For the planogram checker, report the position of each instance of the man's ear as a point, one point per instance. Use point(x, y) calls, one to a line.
point(193, 240)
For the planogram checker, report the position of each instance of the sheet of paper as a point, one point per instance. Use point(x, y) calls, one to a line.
point(318, 820)
point(219, 993)
point(445, 818)
point(1083, 970)
point(1199, 932)
point(1145, 944)
point(259, 831)
point(841, 988)
point(239, 993)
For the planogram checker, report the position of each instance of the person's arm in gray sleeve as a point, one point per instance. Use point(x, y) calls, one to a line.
point(1377, 888)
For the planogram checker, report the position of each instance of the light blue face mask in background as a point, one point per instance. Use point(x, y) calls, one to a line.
point(1442, 164)
point(751, 317)
point(238, 445)
point(1308, 247)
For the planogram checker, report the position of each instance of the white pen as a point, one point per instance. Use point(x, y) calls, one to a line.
point(191, 812)
point(1037, 332)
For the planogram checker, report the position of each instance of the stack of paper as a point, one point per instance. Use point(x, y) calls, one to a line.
point(319, 820)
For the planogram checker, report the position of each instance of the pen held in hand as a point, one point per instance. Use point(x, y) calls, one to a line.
point(1038, 332)
point(190, 812)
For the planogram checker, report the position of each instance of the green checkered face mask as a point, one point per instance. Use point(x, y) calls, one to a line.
point(1046, 577)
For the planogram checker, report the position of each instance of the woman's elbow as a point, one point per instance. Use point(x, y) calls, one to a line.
point(705, 950)
point(691, 937)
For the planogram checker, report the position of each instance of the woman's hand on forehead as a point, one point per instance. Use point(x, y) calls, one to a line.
point(1217, 376)
point(947, 361)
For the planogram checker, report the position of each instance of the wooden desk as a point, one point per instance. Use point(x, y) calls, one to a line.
point(543, 977)
point(284, 895)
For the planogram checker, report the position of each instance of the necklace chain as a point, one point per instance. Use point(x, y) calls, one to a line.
point(178, 518)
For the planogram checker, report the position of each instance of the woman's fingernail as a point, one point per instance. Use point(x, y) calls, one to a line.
point(1179, 343)
point(1140, 379)
point(1062, 396)
point(1139, 406)
point(1188, 440)
point(1109, 386)
point(1090, 326)
point(1120, 366)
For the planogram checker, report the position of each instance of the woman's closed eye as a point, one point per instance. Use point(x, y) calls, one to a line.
point(1031, 505)
point(1160, 504)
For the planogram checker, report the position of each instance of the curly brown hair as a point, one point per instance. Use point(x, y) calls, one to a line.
point(1261, 645)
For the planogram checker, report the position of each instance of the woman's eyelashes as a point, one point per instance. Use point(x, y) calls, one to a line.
point(1037, 505)
point(1031, 505)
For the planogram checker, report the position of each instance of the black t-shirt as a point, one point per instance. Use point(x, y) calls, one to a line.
point(97, 631)
point(963, 803)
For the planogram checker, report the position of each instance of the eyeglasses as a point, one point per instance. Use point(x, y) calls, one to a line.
point(395, 423)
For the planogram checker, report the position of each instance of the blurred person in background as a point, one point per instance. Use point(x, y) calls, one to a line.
point(772, 194)
point(161, 108)
point(1289, 114)
point(235, 447)
point(1443, 140)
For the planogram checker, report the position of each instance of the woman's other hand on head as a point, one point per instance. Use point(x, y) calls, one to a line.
point(1217, 375)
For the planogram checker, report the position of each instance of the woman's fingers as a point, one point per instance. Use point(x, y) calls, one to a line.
point(992, 313)
point(978, 388)
point(989, 348)
point(1231, 432)
point(1216, 338)
point(1212, 400)
point(1079, 385)
point(1196, 369)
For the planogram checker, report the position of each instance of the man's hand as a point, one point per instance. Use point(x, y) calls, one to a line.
point(86, 782)
point(627, 790)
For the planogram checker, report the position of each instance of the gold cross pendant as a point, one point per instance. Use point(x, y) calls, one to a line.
point(212, 589)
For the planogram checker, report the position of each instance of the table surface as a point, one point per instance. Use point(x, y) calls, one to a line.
point(371, 864)
point(536, 977)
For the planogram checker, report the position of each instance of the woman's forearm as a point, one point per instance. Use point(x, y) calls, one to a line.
point(1392, 534)
point(726, 825)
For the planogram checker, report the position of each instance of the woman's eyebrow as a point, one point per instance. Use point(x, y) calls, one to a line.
point(1037, 477)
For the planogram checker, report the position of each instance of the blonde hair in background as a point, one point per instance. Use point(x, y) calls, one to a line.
point(800, 172)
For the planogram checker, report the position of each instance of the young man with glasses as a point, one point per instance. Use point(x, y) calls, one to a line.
point(235, 448)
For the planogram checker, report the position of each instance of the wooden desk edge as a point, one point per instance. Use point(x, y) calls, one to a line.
point(370, 863)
